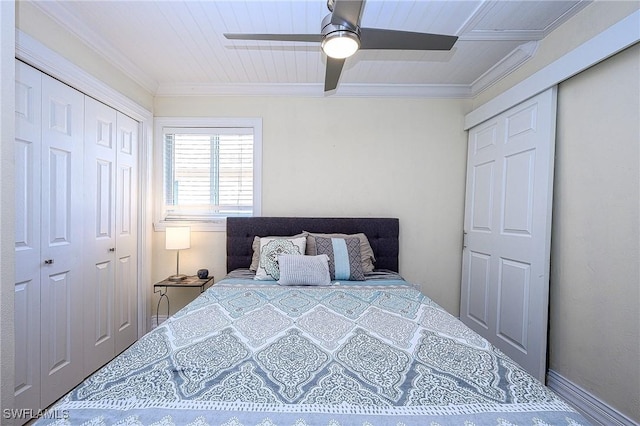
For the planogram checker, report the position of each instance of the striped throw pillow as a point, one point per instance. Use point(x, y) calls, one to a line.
point(344, 257)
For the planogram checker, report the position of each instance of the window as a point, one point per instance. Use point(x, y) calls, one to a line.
point(209, 169)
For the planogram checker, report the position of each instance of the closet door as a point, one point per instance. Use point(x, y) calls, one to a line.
point(126, 296)
point(110, 233)
point(505, 258)
point(99, 229)
point(76, 236)
point(27, 238)
point(61, 244)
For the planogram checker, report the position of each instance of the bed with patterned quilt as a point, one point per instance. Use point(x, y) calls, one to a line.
point(313, 325)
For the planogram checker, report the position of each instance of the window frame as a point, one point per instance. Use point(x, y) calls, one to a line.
point(217, 223)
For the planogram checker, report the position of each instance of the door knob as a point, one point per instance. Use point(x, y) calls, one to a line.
point(48, 262)
point(112, 249)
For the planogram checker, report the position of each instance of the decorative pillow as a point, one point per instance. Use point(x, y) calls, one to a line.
point(271, 248)
point(304, 270)
point(366, 252)
point(255, 259)
point(344, 257)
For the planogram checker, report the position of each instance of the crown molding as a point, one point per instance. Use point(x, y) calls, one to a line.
point(493, 35)
point(456, 91)
point(614, 39)
point(467, 32)
point(506, 66)
point(567, 15)
point(34, 53)
point(449, 91)
point(63, 17)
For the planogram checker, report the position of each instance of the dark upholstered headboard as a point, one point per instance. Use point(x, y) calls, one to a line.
point(381, 232)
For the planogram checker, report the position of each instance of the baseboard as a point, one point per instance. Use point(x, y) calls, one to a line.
point(594, 409)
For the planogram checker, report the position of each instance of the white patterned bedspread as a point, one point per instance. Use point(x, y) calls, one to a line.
point(247, 353)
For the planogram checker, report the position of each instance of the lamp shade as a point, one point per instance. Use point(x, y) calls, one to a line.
point(178, 238)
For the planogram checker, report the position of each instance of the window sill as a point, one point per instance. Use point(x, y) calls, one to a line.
point(217, 225)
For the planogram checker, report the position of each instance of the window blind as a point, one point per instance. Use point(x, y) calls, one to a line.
point(208, 173)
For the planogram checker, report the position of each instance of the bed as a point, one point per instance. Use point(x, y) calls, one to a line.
point(371, 351)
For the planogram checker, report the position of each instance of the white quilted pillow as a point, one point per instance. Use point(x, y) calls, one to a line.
point(304, 270)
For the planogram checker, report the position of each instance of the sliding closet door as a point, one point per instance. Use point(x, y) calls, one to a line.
point(27, 239)
point(126, 295)
point(505, 261)
point(61, 220)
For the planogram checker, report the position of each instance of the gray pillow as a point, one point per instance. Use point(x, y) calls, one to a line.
point(366, 252)
point(304, 270)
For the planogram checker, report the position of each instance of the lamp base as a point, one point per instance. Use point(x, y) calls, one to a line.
point(179, 277)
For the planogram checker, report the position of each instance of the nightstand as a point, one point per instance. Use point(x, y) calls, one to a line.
point(189, 282)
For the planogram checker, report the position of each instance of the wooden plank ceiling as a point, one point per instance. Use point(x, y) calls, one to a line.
point(177, 47)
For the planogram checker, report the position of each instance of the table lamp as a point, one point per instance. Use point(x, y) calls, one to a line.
point(177, 238)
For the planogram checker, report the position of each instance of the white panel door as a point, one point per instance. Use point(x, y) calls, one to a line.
point(27, 239)
point(126, 295)
point(505, 270)
point(61, 233)
point(99, 230)
point(111, 144)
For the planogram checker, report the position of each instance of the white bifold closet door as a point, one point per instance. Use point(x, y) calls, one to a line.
point(49, 193)
point(28, 154)
point(110, 233)
point(76, 299)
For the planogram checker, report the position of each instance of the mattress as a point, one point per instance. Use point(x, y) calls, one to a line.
point(373, 352)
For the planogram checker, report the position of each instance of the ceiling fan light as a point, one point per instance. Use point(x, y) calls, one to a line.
point(340, 44)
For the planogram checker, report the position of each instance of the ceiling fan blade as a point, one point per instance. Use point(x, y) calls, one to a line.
point(332, 75)
point(310, 38)
point(347, 11)
point(375, 38)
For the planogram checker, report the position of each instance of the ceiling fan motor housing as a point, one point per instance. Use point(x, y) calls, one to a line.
point(328, 27)
point(339, 41)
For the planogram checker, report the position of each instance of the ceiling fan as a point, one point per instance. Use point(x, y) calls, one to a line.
point(341, 36)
